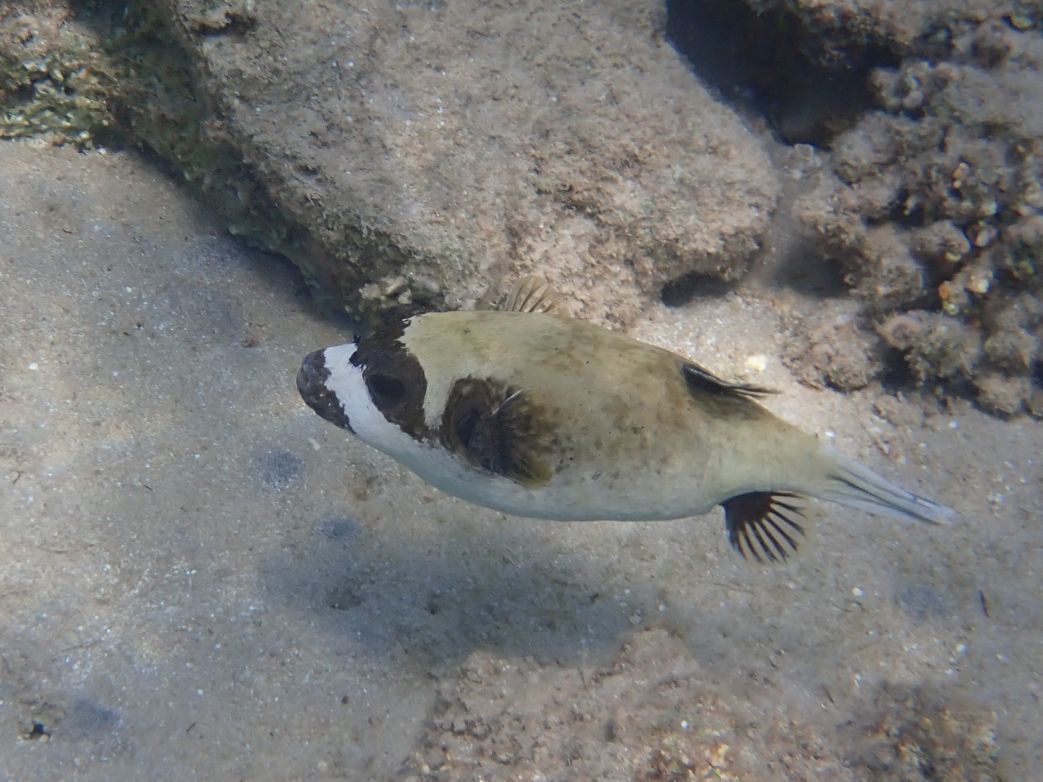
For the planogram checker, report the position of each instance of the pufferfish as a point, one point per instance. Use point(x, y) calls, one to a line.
point(530, 412)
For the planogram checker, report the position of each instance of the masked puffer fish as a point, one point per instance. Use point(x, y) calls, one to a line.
point(529, 412)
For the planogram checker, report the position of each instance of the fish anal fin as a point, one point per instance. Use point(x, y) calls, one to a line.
point(533, 294)
point(761, 524)
point(704, 381)
point(497, 429)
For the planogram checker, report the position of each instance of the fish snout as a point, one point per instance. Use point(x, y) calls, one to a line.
point(311, 385)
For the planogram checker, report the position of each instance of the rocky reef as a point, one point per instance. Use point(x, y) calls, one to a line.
point(421, 153)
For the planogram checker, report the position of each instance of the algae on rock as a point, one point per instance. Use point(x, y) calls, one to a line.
point(950, 166)
point(55, 82)
point(426, 152)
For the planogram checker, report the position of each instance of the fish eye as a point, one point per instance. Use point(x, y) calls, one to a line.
point(385, 388)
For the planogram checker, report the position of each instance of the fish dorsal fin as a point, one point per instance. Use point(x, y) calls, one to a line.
point(760, 524)
point(533, 294)
point(703, 380)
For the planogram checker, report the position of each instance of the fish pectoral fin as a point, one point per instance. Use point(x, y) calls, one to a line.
point(760, 524)
point(700, 379)
point(533, 294)
point(497, 429)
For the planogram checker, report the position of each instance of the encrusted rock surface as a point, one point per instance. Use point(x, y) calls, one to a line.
point(837, 30)
point(55, 83)
point(422, 153)
point(933, 210)
point(428, 150)
point(654, 713)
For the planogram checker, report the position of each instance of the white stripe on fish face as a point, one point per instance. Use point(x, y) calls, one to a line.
point(347, 383)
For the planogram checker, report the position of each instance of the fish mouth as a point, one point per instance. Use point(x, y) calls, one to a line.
point(311, 385)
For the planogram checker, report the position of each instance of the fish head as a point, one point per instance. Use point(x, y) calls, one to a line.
point(431, 392)
point(373, 387)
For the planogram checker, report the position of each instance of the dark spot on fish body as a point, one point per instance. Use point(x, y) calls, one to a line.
point(616, 409)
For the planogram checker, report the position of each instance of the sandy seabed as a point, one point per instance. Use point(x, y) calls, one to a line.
point(200, 579)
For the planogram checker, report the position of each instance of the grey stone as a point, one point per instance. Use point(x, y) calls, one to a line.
point(429, 150)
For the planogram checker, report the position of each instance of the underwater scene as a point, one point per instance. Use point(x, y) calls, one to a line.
point(436, 390)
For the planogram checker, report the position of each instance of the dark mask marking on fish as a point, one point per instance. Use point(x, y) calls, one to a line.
point(311, 384)
point(496, 428)
point(758, 521)
point(394, 377)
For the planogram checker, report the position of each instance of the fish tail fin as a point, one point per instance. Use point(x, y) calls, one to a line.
point(767, 524)
point(850, 483)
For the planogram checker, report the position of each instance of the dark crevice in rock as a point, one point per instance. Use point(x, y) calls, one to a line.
point(767, 65)
point(895, 375)
point(808, 272)
point(679, 292)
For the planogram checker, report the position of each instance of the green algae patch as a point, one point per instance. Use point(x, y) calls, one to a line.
point(61, 93)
